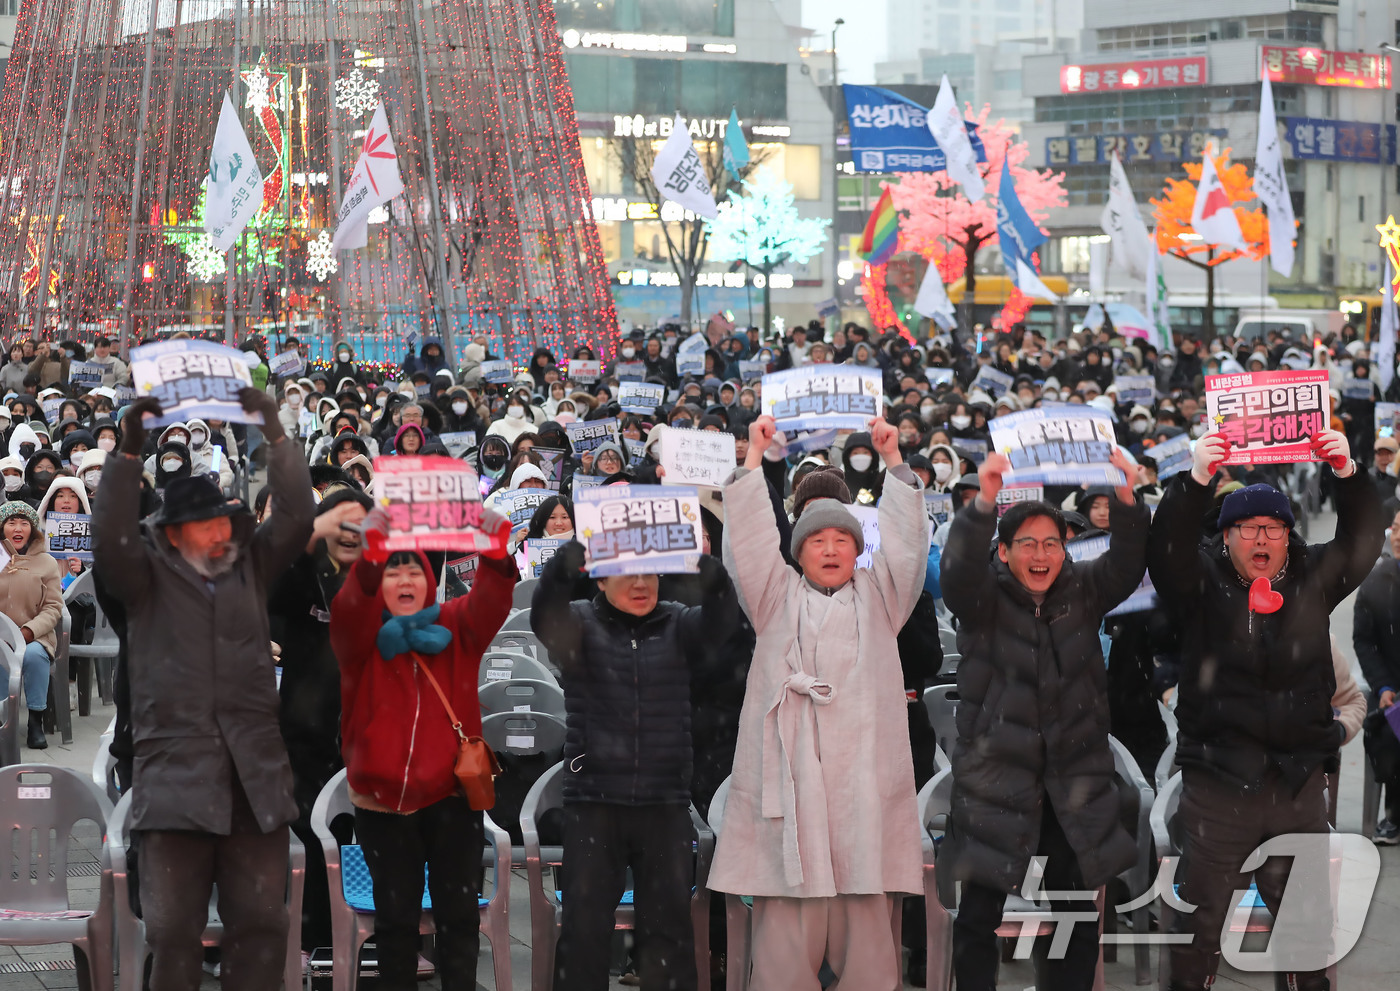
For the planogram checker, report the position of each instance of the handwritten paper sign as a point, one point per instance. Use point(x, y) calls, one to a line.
point(992, 381)
point(520, 505)
point(1269, 417)
point(640, 397)
point(85, 374)
point(1143, 597)
point(1136, 389)
point(1010, 495)
point(69, 535)
point(496, 372)
point(538, 552)
point(287, 363)
point(433, 504)
point(1060, 445)
point(193, 378)
point(823, 397)
point(585, 371)
point(588, 435)
point(869, 517)
point(697, 457)
point(639, 529)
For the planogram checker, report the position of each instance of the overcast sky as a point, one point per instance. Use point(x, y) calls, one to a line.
point(860, 41)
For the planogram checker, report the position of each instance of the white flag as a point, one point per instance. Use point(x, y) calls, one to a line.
point(1122, 222)
point(679, 175)
point(1383, 358)
point(1213, 217)
point(1029, 283)
point(932, 301)
point(1098, 269)
point(374, 182)
point(945, 123)
point(1271, 185)
point(233, 191)
point(1157, 312)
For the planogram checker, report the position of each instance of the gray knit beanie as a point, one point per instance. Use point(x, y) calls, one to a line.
point(821, 514)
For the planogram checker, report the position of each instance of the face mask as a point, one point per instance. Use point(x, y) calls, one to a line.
point(515, 412)
point(197, 439)
point(961, 422)
point(380, 401)
point(13, 482)
point(1198, 431)
point(459, 408)
point(925, 409)
point(170, 464)
point(107, 444)
point(43, 478)
point(92, 479)
point(1051, 395)
point(26, 451)
point(1138, 426)
point(861, 462)
point(293, 399)
point(942, 471)
point(344, 356)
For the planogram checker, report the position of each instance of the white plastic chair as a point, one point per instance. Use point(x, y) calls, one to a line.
point(521, 641)
point(523, 593)
point(518, 622)
point(524, 734)
point(12, 656)
point(522, 695)
point(509, 665)
point(1138, 878)
point(941, 701)
point(104, 765)
point(103, 649)
point(38, 801)
point(350, 928)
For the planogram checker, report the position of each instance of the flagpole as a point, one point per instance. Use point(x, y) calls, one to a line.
point(333, 130)
point(230, 278)
point(137, 173)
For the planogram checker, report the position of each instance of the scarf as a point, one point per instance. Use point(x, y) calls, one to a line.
point(416, 632)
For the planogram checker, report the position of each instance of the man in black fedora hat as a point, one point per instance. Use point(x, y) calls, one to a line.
point(212, 787)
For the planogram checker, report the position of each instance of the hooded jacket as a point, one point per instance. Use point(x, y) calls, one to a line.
point(23, 433)
point(72, 484)
point(872, 480)
point(72, 440)
point(398, 743)
point(1033, 719)
point(31, 591)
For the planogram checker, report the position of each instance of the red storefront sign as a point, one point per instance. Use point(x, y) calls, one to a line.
point(1143, 74)
point(1318, 67)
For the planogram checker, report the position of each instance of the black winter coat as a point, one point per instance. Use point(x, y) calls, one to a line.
point(1033, 719)
point(1375, 627)
point(626, 682)
point(1255, 690)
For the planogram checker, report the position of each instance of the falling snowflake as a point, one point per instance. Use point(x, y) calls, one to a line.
point(202, 261)
point(259, 97)
point(320, 259)
point(356, 93)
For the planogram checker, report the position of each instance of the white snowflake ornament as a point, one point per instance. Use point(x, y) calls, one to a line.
point(320, 259)
point(258, 83)
point(202, 261)
point(356, 93)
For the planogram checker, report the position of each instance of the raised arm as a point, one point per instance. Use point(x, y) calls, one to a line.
point(1174, 541)
point(551, 610)
point(900, 564)
point(1348, 557)
point(965, 574)
point(283, 534)
point(1118, 571)
point(120, 556)
point(752, 546)
point(478, 616)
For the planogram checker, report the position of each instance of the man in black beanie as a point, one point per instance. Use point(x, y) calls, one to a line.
point(1257, 730)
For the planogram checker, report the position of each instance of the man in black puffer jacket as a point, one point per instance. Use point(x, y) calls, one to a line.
point(626, 662)
point(1032, 769)
point(1257, 731)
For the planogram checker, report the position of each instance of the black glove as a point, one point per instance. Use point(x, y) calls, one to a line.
point(570, 558)
point(254, 401)
point(134, 426)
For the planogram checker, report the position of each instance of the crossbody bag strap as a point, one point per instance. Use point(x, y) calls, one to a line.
point(456, 723)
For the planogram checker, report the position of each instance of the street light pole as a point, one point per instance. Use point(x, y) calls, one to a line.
point(1384, 94)
point(835, 175)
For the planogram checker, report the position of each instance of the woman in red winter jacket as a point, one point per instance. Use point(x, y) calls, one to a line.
point(400, 748)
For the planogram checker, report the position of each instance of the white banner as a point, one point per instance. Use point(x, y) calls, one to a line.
point(1122, 222)
point(680, 176)
point(233, 191)
point(1271, 185)
point(945, 123)
point(374, 182)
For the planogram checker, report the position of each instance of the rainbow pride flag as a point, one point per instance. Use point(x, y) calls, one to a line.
point(881, 237)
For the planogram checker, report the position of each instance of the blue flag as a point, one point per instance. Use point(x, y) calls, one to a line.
point(736, 149)
point(889, 133)
point(1019, 234)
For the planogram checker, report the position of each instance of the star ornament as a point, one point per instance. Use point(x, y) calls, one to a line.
point(1390, 235)
point(1219, 419)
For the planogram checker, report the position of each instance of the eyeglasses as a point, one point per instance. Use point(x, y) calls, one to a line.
point(1028, 545)
point(1250, 531)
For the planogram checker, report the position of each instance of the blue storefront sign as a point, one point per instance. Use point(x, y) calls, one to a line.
point(1156, 146)
point(889, 133)
point(1318, 140)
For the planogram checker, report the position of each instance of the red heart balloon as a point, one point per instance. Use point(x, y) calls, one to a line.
point(1263, 598)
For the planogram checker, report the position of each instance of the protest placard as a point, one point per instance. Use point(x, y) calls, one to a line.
point(939, 376)
point(123, 395)
point(1010, 495)
point(784, 446)
point(464, 568)
point(496, 372)
point(1142, 598)
point(974, 448)
point(1136, 389)
point(1385, 419)
point(193, 378)
point(640, 397)
point(636, 451)
point(869, 517)
point(286, 364)
point(1061, 445)
point(552, 464)
point(697, 457)
point(1268, 417)
point(520, 504)
point(992, 381)
point(433, 504)
point(580, 482)
point(458, 443)
point(1362, 390)
point(1172, 456)
point(823, 397)
point(50, 407)
point(938, 505)
point(69, 535)
point(85, 374)
point(538, 552)
point(639, 529)
point(752, 371)
point(586, 372)
point(690, 356)
point(587, 435)
point(630, 371)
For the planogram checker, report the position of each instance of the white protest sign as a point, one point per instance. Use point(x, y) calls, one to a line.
point(538, 552)
point(640, 397)
point(1136, 389)
point(697, 457)
point(1060, 445)
point(939, 376)
point(520, 504)
point(869, 517)
point(822, 397)
point(496, 372)
point(1142, 598)
point(588, 435)
point(633, 371)
point(193, 378)
point(690, 356)
point(458, 443)
point(1172, 456)
point(585, 371)
point(69, 535)
point(750, 371)
point(992, 381)
point(639, 529)
point(85, 374)
point(938, 505)
point(287, 363)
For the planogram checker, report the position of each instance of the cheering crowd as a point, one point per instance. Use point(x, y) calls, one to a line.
point(782, 667)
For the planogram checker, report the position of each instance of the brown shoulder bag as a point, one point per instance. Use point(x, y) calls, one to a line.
point(476, 767)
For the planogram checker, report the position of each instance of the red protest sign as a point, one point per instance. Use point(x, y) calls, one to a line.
point(1268, 417)
point(433, 504)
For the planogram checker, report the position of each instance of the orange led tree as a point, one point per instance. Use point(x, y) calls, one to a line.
point(1176, 237)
